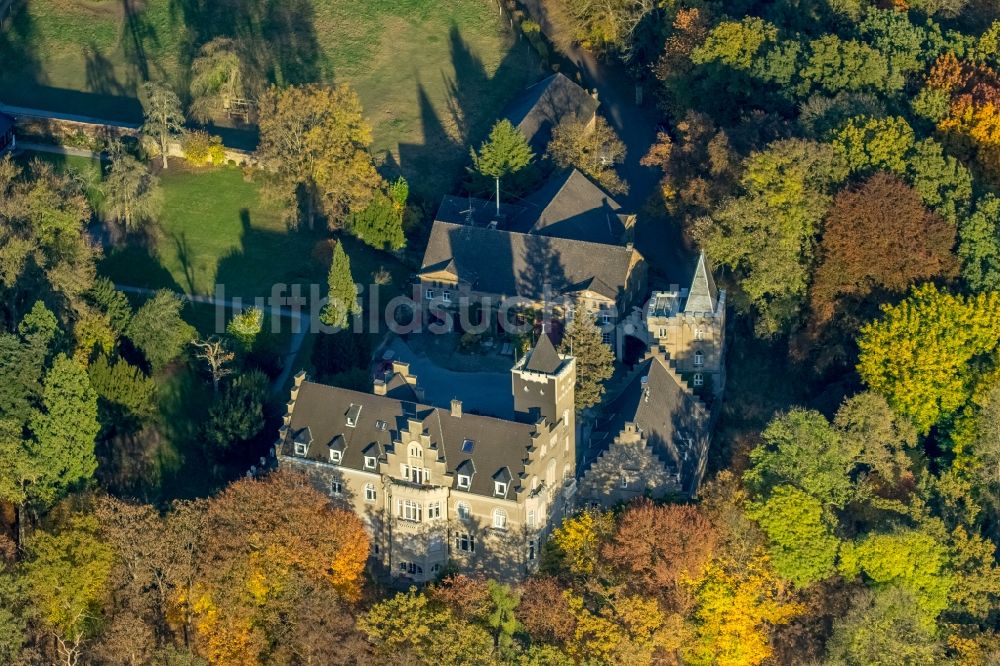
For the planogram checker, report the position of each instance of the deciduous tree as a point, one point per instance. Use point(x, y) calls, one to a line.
point(215, 355)
point(163, 116)
point(593, 150)
point(131, 192)
point(314, 151)
point(921, 355)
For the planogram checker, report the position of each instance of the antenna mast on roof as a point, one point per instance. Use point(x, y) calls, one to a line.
point(468, 212)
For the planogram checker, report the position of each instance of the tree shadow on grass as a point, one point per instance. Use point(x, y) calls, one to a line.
point(472, 107)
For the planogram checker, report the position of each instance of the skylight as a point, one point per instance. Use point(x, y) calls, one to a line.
point(467, 446)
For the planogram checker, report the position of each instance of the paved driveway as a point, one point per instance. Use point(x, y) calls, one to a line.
point(480, 392)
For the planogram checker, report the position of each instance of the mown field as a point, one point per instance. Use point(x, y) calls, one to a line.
point(432, 75)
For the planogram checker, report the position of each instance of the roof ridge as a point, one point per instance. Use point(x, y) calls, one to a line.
point(552, 238)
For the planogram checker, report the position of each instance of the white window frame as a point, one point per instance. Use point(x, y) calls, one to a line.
point(663, 332)
point(336, 457)
point(699, 333)
point(698, 380)
point(606, 337)
point(624, 481)
point(500, 489)
point(370, 493)
point(337, 488)
point(429, 294)
point(605, 319)
point(301, 448)
point(409, 510)
point(446, 296)
point(530, 520)
point(464, 481)
point(699, 359)
point(532, 549)
point(463, 510)
point(499, 519)
point(433, 510)
point(370, 462)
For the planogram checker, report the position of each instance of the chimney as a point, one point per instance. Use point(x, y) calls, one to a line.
point(456, 408)
point(629, 246)
point(379, 387)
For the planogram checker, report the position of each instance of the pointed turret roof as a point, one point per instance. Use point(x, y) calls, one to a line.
point(703, 295)
point(543, 357)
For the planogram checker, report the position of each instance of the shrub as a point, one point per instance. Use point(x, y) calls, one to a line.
point(203, 149)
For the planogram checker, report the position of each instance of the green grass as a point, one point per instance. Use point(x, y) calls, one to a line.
point(432, 74)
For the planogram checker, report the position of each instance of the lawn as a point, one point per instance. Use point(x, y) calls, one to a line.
point(432, 75)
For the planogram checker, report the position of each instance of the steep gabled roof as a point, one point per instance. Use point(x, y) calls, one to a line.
point(570, 205)
point(703, 295)
point(319, 412)
point(543, 358)
point(542, 106)
point(495, 261)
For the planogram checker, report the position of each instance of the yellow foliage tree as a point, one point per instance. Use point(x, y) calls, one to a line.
point(578, 540)
point(735, 608)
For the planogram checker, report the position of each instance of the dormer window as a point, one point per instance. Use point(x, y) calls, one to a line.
point(301, 448)
point(381, 425)
point(353, 413)
point(336, 457)
point(370, 462)
point(464, 481)
point(500, 488)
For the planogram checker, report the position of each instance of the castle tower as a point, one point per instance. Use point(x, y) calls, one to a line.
point(690, 326)
point(543, 384)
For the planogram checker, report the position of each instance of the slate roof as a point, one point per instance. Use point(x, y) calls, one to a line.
point(667, 411)
point(321, 412)
point(541, 106)
point(703, 295)
point(543, 358)
point(512, 263)
point(459, 210)
point(570, 205)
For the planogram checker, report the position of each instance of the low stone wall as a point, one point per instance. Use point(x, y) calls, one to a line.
point(71, 133)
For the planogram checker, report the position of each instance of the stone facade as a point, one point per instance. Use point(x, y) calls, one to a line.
point(435, 487)
point(628, 469)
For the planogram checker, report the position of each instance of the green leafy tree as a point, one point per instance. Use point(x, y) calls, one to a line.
point(884, 628)
point(163, 116)
point(802, 449)
point(66, 572)
point(112, 303)
point(158, 330)
point(342, 295)
point(131, 193)
point(594, 151)
point(923, 354)
point(594, 359)
point(411, 625)
point(238, 413)
point(599, 26)
point(835, 64)
point(801, 544)
point(246, 326)
point(979, 245)
point(380, 223)
point(506, 152)
point(944, 183)
point(501, 618)
point(123, 386)
point(875, 143)
point(64, 430)
point(768, 234)
point(910, 559)
point(313, 150)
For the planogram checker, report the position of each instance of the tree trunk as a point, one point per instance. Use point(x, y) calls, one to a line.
point(163, 148)
point(498, 198)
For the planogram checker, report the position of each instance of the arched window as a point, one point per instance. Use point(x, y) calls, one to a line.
point(416, 451)
point(567, 472)
point(699, 358)
point(370, 494)
point(499, 519)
